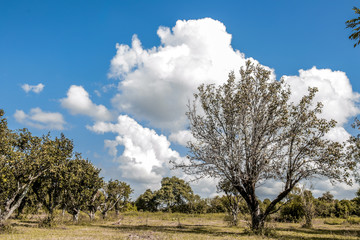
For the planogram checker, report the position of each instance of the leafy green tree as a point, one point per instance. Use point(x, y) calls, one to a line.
point(344, 208)
point(50, 186)
point(94, 204)
point(147, 201)
point(82, 183)
point(198, 205)
point(354, 24)
point(325, 205)
point(293, 209)
point(174, 193)
point(124, 201)
point(23, 159)
point(248, 132)
point(327, 197)
point(216, 205)
point(114, 192)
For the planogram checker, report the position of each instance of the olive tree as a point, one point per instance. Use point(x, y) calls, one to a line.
point(114, 192)
point(174, 193)
point(247, 132)
point(24, 158)
point(82, 183)
point(50, 186)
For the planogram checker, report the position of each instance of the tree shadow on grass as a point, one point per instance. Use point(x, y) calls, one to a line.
point(25, 223)
point(302, 233)
point(194, 229)
point(318, 233)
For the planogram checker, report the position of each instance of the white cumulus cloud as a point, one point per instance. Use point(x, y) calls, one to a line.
point(40, 119)
point(79, 102)
point(335, 92)
point(33, 88)
point(181, 137)
point(146, 155)
point(156, 84)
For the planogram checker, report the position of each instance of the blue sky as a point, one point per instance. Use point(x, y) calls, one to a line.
point(64, 44)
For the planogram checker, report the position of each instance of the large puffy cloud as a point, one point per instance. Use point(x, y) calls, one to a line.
point(33, 88)
point(335, 92)
point(79, 102)
point(40, 119)
point(146, 155)
point(157, 83)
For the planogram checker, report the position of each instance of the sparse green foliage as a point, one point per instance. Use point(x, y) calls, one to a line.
point(248, 132)
point(354, 24)
point(231, 201)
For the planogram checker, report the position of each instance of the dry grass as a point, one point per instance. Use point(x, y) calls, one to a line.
point(172, 226)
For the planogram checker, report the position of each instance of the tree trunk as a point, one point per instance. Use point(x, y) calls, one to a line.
point(257, 221)
point(235, 220)
point(91, 215)
point(76, 216)
point(308, 222)
point(10, 208)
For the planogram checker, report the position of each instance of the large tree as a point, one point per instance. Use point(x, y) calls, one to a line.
point(23, 159)
point(248, 132)
point(50, 186)
point(354, 24)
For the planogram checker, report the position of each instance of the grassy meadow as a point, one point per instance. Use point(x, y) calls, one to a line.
point(142, 225)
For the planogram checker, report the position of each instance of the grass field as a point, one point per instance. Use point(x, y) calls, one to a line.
point(174, 226)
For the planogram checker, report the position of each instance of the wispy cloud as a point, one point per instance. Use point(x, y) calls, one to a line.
point(40, 119)
point(33, 88)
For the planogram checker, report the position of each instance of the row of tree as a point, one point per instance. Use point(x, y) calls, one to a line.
point(175, 195)
point(45, 172)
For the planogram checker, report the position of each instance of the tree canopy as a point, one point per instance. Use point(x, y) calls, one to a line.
point(248, 132)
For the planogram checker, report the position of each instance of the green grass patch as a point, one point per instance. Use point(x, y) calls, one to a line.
point(334, 221)
point(353, 220)
point(146, 225)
